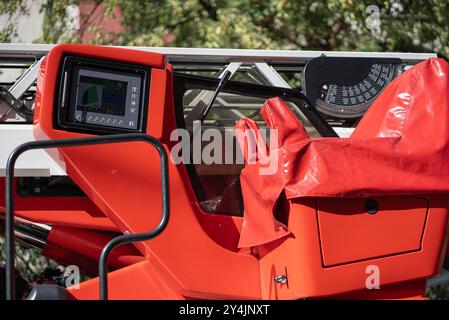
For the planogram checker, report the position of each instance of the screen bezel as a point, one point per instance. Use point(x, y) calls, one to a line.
point(65, 96)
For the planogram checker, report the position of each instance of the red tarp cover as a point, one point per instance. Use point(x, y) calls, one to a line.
point(401, 146)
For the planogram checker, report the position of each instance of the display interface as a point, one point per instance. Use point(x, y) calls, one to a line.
point(100, 98)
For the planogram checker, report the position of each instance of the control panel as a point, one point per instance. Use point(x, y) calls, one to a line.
point(102, 96)
point(344, 87)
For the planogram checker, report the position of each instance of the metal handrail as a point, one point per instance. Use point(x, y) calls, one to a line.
point(122, 239)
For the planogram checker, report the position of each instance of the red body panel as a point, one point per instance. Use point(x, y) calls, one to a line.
point(326, 252)
point(124, 285)
point(122, 180)
point(301, 256)
point(91, 243)
point(348, 234)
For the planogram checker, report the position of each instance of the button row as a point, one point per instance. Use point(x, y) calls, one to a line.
point(109, 121)
point(134, 91)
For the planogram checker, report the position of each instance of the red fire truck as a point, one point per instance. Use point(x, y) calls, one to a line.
point(117, 162)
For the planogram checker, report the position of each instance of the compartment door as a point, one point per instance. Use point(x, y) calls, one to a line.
point(349, 233)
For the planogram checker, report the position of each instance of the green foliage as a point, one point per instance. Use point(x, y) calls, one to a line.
point(438, 293)
point(11, 9)
point(54, 22)
point(29, 261)
point(406, 25)
point(5, 33)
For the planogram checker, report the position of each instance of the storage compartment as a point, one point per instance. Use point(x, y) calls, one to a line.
point(360, 229)
point(335, 242)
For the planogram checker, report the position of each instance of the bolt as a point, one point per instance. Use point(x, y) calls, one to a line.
point(280, 279)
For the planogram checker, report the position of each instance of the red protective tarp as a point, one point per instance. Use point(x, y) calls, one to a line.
point(401, 146)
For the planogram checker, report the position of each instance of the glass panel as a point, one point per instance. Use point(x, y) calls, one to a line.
point(228, 108)
point(219, 182)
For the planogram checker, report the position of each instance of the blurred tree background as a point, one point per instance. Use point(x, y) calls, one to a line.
point(373, 25)
point(407, 26)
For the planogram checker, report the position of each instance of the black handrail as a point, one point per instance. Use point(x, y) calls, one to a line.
point(122, 239)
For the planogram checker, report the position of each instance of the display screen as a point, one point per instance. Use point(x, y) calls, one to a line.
point(103, 96)
point(106, 98)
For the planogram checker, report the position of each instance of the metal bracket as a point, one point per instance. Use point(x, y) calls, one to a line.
point(208, 96)
point(271, 75)
point(18, 89)
point(26, 80)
